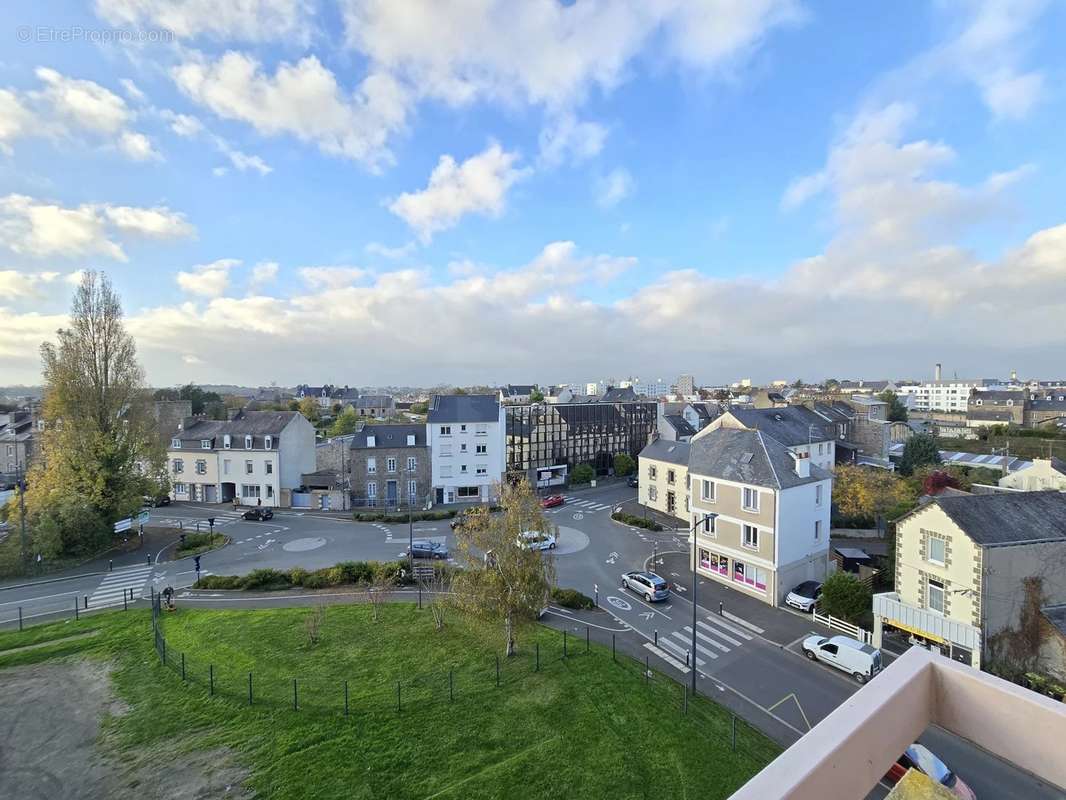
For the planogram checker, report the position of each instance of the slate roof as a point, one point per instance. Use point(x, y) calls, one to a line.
point(835, 411)
point(1056, 615)
point(747, 456)
point(388, 436)
point(670, 452)
point(706, 411)
point(373, 401)
point(679, 424)
point(788, 425)
point(256, 424)
point(1008, 518)
point(518, 389)
point(464, 408)
point(1040, 401)
point(614, 395)
point(589, 416)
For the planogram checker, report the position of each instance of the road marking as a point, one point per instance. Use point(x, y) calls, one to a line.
point(703, 625)
point(731, 628)
point(669, 659)
point(650, 607)
point(593, 624)
point(680, 652)
point(618, 602)
point(688, 641)
point(792, 696)
point(743, 622)
point(117, 585)
point(706, 638)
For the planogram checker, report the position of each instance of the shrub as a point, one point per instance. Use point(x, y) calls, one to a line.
point(297, 576)
point(356, 571)
point(843, 596)
point(571, 598)
point(266, 579)
point(624, 464)
point(583, 473)
point(219, 582)
point(314, 580)
point(635, 521)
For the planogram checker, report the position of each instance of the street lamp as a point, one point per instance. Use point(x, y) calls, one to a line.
point(708, 523)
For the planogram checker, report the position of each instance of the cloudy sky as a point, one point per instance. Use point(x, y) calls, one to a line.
point(421, 191)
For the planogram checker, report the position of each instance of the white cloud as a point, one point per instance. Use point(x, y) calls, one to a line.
point(137, 146)
point(331, 277)
point(184, 125)
point(155, 223)
point(568, 139)
point(614, 187)
point(242, 161)
point(303, 100)
point(190, 127)
point(191, 359)
point(263, 273)
point(208, 280)
point(82, 103)
point(247, 20)
point(132, 90)
point(15, 119)
point(17, 284)
point(391, 253)
point(478, 185)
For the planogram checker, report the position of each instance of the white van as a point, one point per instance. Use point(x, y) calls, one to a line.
point(860, 660)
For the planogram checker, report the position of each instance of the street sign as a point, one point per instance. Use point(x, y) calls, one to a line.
point(123, 525)
point(142, 518)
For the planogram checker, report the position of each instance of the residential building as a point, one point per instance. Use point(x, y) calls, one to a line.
point(772, 507)
point(968, 567)
point(593, 388)
point(389, 466)
point(256, 458)
point(465, 434)
point(1046, 406)
point(768, 398)
point(375, 405)
point(18, 442)
point(662, 468)
point(941, 395)
point(1042, 475)
point(870, 434)
point(866, 387)
point(323, 394)
point(700, 415)
point(996, 407)
point(686, 385)
point(618, 394)
point(545, 443)
point(674, 428)
point(798, 428)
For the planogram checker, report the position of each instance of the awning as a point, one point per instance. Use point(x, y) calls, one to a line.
point(932, 637)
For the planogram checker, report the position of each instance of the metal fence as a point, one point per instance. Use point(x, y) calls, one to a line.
point(471, 680)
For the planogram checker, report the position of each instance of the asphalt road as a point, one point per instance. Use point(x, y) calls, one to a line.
point(747, 654)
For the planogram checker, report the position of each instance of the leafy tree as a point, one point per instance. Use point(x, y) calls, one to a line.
point(346, 422)
point(897, 412)
point(420, 408)
point(583, 473)
point(918, 451)
point(832, 384)
point(505, 583)
point(294, 405)
point(798, 384)
point(624, 464)
point(868, 494)
point(100, 454)
point(308, 406)
point(937, 480)
point(536, 396)
point(845, 597)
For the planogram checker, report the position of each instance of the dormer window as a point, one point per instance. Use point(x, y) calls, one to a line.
point(227, 441)
point(205, 444)
point(175, 442)
point(410, 440)
point(268, 442)
point(247, 442)
point(371, 441)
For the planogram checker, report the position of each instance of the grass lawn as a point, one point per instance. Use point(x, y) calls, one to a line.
point(196, 543)
point(582, 727)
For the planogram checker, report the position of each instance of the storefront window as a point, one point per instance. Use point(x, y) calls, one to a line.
point(714, 562)
point(749, 575)
point(705, 559)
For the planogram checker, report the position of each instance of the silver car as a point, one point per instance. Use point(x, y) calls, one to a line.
point(647, 584)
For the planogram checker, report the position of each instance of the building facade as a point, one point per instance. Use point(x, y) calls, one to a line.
point(389, 466)
point(940, 395)
point(662, 471)
point(18, 443)
point(465, 434)
point(375, 405)
point(256, 458)
point(1043, 474)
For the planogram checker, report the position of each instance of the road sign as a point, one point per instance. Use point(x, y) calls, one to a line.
point(123, 525)
point(142, 518)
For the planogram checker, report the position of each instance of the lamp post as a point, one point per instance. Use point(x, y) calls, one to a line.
point(707, 522)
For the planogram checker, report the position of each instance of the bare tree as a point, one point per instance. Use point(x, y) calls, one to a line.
point(379, 588)
point(439, 589)
point(313, 623)
point(505, 580)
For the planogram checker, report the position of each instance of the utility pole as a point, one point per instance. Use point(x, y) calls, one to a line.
point(21, 480)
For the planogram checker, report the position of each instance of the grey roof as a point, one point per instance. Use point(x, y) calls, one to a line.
point(789, 425)
point(1056, 615)
point(1010, 517)
point(1040, 401)
point(998, 397)
point(707, 411)
point(256, 424)
point(464, 408)
point(671, 452)
point(679, 424)
point(388, 436)
point(747, 456)
point(373, 401)
point(874, 386)
point(515, 389)
point(615, 395)
point(836, 411)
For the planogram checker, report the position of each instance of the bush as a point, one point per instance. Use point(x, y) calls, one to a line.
point(219, 582)
point(420, 516)
point(624, 464)
point(635, 521)
point(266, 579)
point(583, 473)
point(297, 576)
point(571, 598)
point(315, 580)
point(843, 596)
point(356, 571)
point(347, 572)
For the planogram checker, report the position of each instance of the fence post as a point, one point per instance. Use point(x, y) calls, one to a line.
point(734, 733)
point(612, 648)
point(420, 597)
point(721, 610)
point(75, 608)
point(20, 618)
point(124, 606)
point(564, 643)
point(497, 672)
point(451, 685)
point(211, 679)
point(647, 669)
point(586, 638)
point(164, 652)
point(686, 699)
point(656, 637)
point(183, 666)
point(86, 601)
point(538, 657)
point(346, 698)
point(295, 701)
point(249, 688)
point(399, 707)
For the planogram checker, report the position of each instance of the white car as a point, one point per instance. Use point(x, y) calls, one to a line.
point(535, 540)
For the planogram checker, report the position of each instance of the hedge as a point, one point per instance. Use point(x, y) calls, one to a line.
point(572, 598)
point(344, 573)
point(637, 522)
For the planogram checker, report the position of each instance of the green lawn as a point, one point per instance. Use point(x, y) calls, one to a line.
point(582, 726)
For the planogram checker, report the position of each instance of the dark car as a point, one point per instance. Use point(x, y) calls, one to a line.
point(424, 548)
point(633, 481)
point(156, 502)
point(258, 514)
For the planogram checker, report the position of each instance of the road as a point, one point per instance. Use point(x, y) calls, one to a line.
point(747, 654)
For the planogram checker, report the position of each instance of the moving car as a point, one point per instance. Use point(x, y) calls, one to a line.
point(805, 596)
point(156, 502)
point(860, 660)
point(425, 548)
point(535, 540)
point(647, 584)
point(922, 759)
point(633, 481)
point(258, 514)
point(458, 521)
point(552, 500)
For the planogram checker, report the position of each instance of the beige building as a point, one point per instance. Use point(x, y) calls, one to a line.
point(968, 567)
point(663, 473)
point(770, 508)
point(1042, 475)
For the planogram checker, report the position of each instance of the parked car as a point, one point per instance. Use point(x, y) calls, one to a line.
point(458, 521)
point(535, 540)
point(258, 514)
point(921, 758)
point(156, 502)
point(805, 596)
point(861, 661)
point(647, 584)
point(425, 548)
point(552, 500)
point(633, 481)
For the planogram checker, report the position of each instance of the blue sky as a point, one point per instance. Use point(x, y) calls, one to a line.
point(371, 192)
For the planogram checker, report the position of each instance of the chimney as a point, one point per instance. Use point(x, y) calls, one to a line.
point(185, 423)
point(936, 373)
point(802, 464)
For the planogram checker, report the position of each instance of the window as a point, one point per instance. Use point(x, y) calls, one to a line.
point(268, 442)
point(173, 443)
point(751, 537)
point(714, 562)
point(653, 493)
point(670, 477)
point(412, 462)
point(248, 467)
point(227, 441)
point(937, 549)
point(372, 490)
point(462, 469)
point(462, 447)
point(481, 470)
point(181, 488)
point(481, 449)
point(225, 466)
point(371, 465)
point(445, 430)
point(269, 467)
point(205, 444)
point(445, 450)
point(410, 440)
point(179, 466)
point(821, 449)
point(652, 472)
point(707, 491)
point(371, 441)
point(817, 529)
point(469, 491)
point(412, 491)
point(749, 575)
point(390, 464)
point(751, 499)
point(249, 491)
point(706, 525)
point(201, 467)
point(247, 442)
point(936, 595)
point(462, 428)
point(270, 491)
point(818, 495)
point(481, 429)
point(446, 471)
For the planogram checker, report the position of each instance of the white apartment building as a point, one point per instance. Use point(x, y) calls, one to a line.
point(467, 447)
point(943, 395)
point(256, 458)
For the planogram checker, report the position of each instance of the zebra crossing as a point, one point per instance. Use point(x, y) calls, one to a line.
point(715, 637)
point(590, 506)
point(118, 584)
point(222, 519)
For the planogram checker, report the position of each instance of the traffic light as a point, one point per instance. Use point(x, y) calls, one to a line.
point(196, 562)
point(211, 523)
